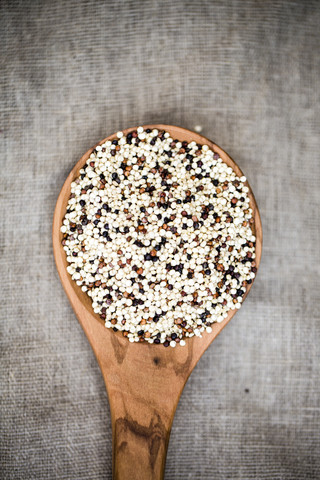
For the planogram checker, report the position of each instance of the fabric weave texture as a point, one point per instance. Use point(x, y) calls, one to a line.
point(247, 72)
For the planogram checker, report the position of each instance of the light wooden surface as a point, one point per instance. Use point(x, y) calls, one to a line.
point(144, 382)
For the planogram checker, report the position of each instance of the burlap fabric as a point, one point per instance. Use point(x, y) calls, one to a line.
point(247, 72)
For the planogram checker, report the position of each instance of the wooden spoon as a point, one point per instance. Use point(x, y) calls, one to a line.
point(144, 382)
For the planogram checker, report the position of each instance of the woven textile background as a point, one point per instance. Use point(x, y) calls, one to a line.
point(73, 72)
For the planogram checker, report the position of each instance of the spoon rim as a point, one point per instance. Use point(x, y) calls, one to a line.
point(60, 210)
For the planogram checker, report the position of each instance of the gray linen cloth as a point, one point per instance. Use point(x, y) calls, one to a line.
point(247, 72)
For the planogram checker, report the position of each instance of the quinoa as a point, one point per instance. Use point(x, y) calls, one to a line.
point(158, 233)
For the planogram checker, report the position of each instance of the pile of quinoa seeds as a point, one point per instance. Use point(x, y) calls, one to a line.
point(158, 233)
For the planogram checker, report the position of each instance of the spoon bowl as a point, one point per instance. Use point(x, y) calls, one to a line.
point(143, 381)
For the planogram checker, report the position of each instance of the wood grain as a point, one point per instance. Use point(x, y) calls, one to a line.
point(144, 382)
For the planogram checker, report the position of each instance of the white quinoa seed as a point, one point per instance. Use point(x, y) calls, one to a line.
point(158, 234)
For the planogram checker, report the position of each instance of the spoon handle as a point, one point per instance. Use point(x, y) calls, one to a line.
point(143, 392)
point(140, 437)
point(143, 395)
